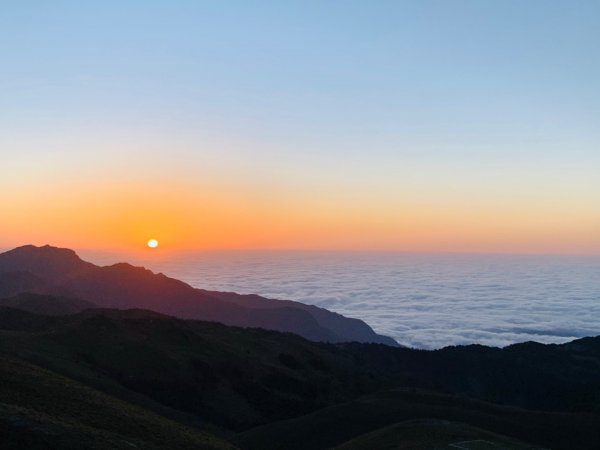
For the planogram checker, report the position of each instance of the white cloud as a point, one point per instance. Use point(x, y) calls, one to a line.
point(425, 301)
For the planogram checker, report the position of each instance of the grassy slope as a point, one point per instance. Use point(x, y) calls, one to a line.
point(430, 434)
point(239, 378)
point(235, 377)
point(338, 424)
point(41, 409)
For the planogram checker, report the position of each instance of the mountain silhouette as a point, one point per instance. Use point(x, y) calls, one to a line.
point(47, 305)
point(61, 272)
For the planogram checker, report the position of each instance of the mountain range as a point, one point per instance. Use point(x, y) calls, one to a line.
point(59, 271)
point(91, 358)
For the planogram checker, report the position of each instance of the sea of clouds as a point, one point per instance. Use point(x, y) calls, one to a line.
point(422, 300)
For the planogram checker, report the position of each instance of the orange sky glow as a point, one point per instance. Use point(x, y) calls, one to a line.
point(125, 216)
point(404, 127)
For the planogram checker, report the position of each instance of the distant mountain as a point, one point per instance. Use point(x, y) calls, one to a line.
point(13, 283)
point(47, 305)
point(60, 272)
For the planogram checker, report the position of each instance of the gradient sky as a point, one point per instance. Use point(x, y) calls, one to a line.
point(397, 125)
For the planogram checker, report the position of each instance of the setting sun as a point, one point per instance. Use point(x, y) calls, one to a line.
point(152, 243)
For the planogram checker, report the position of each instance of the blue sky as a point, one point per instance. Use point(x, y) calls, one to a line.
point(378, 99)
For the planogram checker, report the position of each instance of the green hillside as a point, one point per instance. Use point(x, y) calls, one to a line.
point(40, 409)
point(338, 424)
point(268, 390)
point(429, 434)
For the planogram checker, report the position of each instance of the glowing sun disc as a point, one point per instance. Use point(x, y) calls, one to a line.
point(152, 243)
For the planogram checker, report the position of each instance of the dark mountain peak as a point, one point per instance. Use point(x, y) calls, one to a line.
point(142, 278)
point(47, 262)
point(124, 267)
point(47, 251)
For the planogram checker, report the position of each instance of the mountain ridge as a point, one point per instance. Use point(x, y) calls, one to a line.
point(60, 271)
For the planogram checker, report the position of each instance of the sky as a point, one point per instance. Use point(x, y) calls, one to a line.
point(468, 126)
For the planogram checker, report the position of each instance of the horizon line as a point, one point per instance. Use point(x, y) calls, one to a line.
point(162, 250)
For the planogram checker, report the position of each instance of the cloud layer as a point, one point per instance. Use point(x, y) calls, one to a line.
point(424, 301)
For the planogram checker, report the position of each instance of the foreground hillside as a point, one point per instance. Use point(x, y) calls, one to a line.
point(234, 377)
point(40, 409)
point(280, 391)
point(438, 434)
point(58, 271)
point(344, 423)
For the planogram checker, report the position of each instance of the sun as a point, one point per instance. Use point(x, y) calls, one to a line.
point(152, 243)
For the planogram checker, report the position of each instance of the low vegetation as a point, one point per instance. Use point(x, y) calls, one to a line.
point(263, 389)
